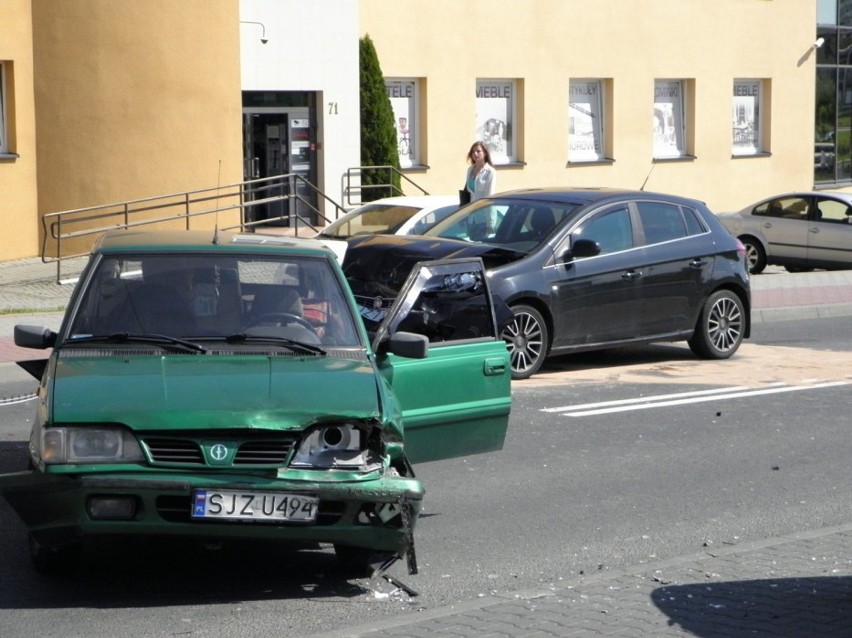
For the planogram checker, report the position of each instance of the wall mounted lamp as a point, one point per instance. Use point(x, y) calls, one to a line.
point(263, 38)
point(818, 43)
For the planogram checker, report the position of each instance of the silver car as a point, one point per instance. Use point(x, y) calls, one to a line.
point(800, 231)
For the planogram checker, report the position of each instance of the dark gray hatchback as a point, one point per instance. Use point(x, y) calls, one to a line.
point(581, 268)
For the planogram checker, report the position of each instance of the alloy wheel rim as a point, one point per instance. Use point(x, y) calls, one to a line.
point(524, 340)
point(724, 325)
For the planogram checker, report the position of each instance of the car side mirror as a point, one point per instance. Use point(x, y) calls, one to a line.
point(37, 337)
point(583, 248)
point(407, 344)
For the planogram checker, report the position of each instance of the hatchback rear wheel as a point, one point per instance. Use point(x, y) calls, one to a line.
point(526, 339)
point(721, 326)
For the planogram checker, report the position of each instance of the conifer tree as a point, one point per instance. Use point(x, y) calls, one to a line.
point(378, 133)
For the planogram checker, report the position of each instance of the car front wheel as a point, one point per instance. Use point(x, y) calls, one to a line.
point(526, 339)
point(755, 255)
point(720, 328)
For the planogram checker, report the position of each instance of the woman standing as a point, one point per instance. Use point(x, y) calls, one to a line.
point(481, 179)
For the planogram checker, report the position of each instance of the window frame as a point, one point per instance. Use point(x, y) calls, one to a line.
point(4, 131)
point(747, 115)
point(592, 112)
point(673, 107)
point(491, 112)
point(404, 96)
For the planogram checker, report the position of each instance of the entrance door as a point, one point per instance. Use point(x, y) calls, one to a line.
point(278, 159)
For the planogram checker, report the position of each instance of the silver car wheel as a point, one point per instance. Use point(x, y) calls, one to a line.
point(725, 324)
point(526, 340)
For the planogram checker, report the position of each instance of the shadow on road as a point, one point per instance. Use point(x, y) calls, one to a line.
point(820, 606)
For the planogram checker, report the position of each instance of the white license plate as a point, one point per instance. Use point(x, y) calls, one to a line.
point(254, 506)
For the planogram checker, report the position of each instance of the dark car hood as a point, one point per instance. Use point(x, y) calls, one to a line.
point(152, 392)
point(380, 264)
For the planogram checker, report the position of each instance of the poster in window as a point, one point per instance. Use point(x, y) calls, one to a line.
point(494, 104)
point(667, 120)
point(402, 98)
point(584, 121)
point(745, 119)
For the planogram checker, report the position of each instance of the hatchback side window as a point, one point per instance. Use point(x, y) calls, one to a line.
point(661, 222)
point(613, 231)
point(694, 225)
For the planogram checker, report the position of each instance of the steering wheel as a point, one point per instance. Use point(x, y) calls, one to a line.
point(281, 319)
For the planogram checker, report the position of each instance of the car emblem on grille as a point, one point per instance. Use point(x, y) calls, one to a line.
point(218, 452)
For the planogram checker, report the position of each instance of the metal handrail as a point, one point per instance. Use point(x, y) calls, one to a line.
point(389, 187)
point(93, 221)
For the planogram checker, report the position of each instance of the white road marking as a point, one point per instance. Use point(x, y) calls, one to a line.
point(644, 403)
point(657, 397)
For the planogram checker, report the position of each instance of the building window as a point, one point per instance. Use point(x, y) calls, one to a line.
point(585, 121)
point(746, 117)
point(495, 118)
point(404, 97)
point(833, 94)
point(669, 119)
point(4, 144)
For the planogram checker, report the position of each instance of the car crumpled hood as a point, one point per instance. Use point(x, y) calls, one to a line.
point(380, 264)
point(211, 391)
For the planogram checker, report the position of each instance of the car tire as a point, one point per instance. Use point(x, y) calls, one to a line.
point(527, 340)
point(755, 255)
point(721, 326)
point(54, 560)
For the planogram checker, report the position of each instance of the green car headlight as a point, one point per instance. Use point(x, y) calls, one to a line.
point(340, 446)
point(89, 445)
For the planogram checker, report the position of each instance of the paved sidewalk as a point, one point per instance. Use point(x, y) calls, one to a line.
point(800, 585)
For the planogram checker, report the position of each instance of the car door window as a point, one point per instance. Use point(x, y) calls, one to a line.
point(661, 222)
point(694, 225)
point(613, 230)
point(446, 304)
point(784, 207)
point(832, 211)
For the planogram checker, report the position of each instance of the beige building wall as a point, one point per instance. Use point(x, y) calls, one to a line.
point(135, 99)
point(19, 235)
point(543, 44)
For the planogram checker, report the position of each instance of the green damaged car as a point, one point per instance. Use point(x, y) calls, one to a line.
point(223, 386)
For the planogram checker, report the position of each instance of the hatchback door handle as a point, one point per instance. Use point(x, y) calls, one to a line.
point(630, 275)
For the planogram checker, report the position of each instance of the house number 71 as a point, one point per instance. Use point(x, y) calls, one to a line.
point(332, 108)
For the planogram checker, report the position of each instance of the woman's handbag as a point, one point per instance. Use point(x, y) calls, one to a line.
point(464, 197)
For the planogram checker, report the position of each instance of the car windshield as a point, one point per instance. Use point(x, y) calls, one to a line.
point(237, 300)
point(519, 224)
point(381, 218)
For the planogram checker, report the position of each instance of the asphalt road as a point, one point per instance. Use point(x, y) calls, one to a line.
point(683, 461)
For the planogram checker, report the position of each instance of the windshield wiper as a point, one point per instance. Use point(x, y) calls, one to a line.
point(281, 341)
point(164, 341)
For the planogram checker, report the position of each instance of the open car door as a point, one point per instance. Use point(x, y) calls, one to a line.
point(456, 401)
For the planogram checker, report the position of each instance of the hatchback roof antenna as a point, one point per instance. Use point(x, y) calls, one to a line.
point(653, 164)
